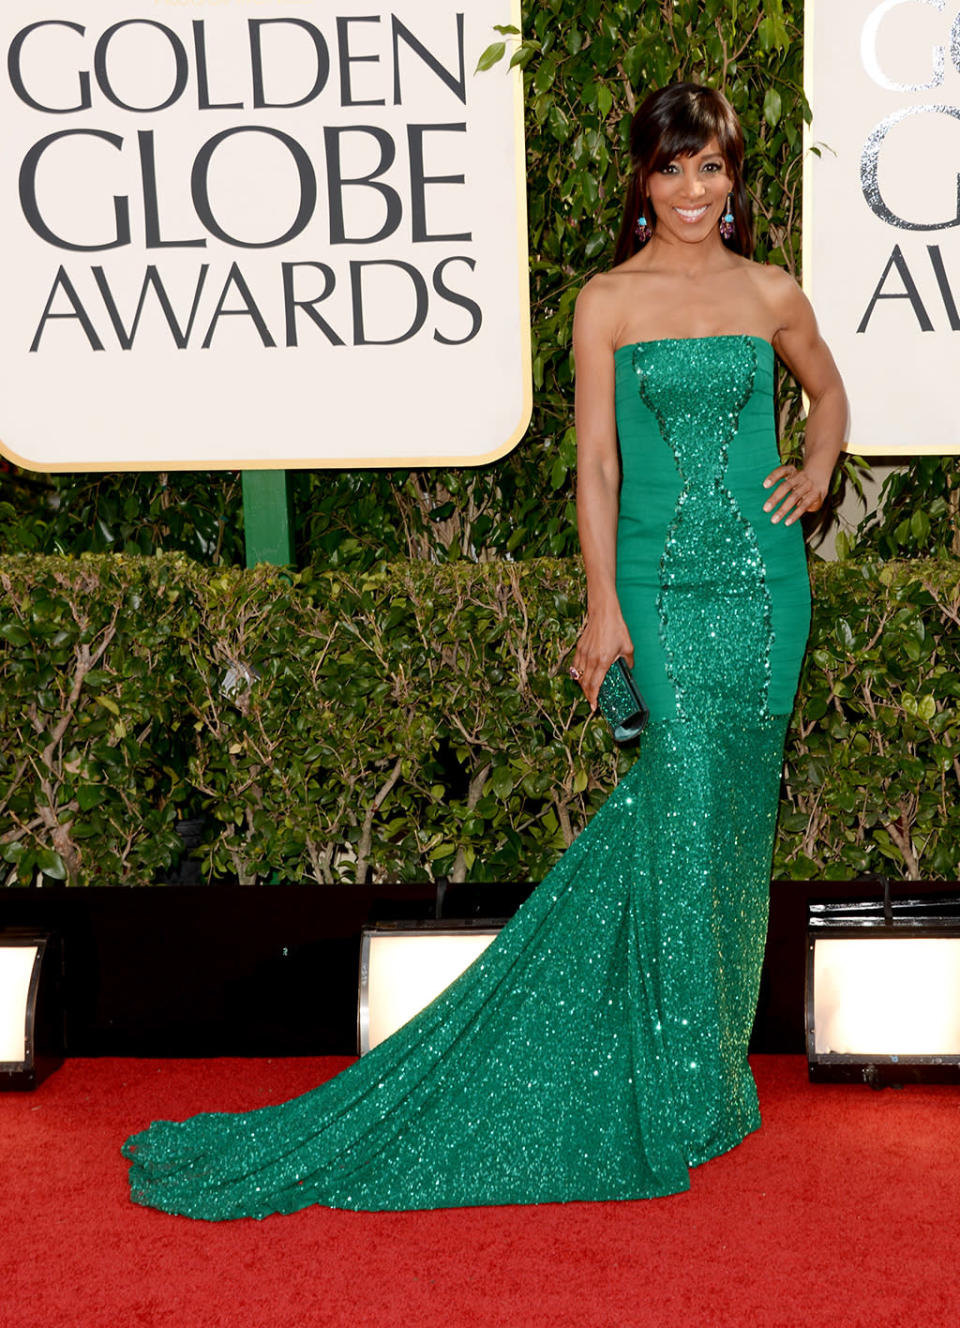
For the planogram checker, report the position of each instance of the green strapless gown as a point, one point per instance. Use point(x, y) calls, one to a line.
point(597, 1050)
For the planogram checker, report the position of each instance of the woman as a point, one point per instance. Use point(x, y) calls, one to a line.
point(680, 278)
point(597, 1050)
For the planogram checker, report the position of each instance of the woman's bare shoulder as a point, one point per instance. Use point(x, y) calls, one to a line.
point(597, 308)
point(774, 282)
point(779, 292)
point(603, 298)
point(600, 289)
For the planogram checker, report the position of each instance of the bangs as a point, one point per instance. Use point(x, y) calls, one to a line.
point(687, 126)
point(685, 142)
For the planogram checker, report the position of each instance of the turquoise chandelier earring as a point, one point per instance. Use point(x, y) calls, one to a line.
point(728, 223)
point(643, 228)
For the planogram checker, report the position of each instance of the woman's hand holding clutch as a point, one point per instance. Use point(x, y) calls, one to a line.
point(604, 639)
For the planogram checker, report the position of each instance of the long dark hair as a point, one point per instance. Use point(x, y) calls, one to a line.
point(679, 121)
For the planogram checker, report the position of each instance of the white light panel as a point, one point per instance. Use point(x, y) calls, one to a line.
point(16, 970)
point(407, 970)
point(893, 997)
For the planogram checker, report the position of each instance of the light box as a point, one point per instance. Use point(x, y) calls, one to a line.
point(883, 990)
point(403, 966)
point(31, 1017)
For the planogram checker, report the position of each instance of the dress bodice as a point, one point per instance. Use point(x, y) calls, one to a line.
point(696, 553)
point(693, 414)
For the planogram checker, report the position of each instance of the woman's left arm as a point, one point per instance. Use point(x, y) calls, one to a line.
point(799, 344)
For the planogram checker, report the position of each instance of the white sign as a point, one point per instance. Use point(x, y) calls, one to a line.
point(260, 233)
point(882, 213)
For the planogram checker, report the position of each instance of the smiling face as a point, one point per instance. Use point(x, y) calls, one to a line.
point(689, 195)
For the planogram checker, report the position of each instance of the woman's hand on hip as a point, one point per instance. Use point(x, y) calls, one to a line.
point(796, 492)
point(604, 639)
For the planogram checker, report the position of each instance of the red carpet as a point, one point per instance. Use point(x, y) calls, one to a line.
point(843, 1210)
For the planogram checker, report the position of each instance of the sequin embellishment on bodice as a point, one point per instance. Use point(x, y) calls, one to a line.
point(713, 602)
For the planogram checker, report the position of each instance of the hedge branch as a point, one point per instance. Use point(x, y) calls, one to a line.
point(366, 832)
point(474, 794)
point(901, 837)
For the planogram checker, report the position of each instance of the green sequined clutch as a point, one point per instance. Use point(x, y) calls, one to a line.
point(621, 704)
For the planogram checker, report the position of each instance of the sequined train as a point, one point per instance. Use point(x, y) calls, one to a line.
point(597, 1050)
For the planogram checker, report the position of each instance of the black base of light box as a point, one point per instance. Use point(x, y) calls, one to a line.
point(884, 1074)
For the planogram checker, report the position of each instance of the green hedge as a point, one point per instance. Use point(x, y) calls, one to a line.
point(417, 721)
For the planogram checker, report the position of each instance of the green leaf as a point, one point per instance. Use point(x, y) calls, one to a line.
point(501, 782)
point(90, 796)
point(51, 864)
point(14, 635)
point(920, 526)
point(559, 123)
point(816, 707)
point(844, 635)
point(596, 245)
point(544, 76)
point(522, 56)
point(491, 56)
point(772, 107)
point(926, 707)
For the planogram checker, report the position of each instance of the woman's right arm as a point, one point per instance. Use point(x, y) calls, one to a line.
point(605, 636)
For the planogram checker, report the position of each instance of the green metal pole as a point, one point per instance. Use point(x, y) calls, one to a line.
point(267, 517)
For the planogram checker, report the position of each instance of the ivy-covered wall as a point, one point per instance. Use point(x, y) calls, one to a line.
point(416, 722)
